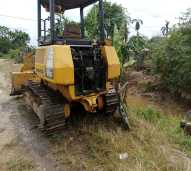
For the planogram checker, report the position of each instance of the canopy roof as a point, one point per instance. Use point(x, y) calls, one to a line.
point(68, 4)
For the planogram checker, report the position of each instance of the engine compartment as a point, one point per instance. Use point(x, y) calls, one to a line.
point(89, 70)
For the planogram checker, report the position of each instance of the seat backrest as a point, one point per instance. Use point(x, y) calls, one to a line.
point(72, 30)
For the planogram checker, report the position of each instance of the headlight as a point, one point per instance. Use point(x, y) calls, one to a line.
point(50, 63)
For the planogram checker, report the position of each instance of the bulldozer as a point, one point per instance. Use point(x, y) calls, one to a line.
point(68, 69)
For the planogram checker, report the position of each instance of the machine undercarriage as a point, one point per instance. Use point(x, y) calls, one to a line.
point(53, 109)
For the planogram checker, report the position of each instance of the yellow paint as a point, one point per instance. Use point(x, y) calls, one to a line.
point(28, 62)
point(112, 60)
point(63, 73)
point(63, 67)
point(39, 68)
point(20, 78)
point(89, 103)
point(108, 42)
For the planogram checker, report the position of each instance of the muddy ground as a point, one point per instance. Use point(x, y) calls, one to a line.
point(24, 147)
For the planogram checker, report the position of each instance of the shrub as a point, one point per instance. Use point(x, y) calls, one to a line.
point(173, 62)
point(172, 59)
point(14, 53)
point(11, 41)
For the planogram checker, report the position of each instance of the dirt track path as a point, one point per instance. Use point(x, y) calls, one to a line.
point(19, 136)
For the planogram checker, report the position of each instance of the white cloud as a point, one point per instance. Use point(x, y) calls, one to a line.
point(155, 12)
point(152, 12)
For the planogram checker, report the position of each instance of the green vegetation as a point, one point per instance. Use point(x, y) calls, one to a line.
point(165, 29)
point(115, 16)
point(172, 58)
point(116, 28)
point(169, 125)
point(138, 24)
point(11, 42)
point(168, 56)
point(116, 21)
point(136, 47)
point(153, 143)
point(19, 164)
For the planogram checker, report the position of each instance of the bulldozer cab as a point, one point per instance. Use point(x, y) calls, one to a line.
point(52, 31)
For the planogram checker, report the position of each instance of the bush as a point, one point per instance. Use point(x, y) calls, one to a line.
point(11, 41)
point(5, 45)
point(172, 59)
point(14, 53)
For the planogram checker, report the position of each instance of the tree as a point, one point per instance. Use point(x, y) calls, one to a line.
point(172, 58)
point(186, 17)
point(5, 45)
point(4, 32)
point(12, 39)
point(5, 42)
point(115, 16)
point(115, 25)
point(19, 39)
point(137, 44)
point(61, 22)
point(138, 24)
point(165, 29)
point(136, 47)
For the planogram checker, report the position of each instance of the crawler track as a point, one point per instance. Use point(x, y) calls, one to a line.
point(48, 106)
point(111, 102)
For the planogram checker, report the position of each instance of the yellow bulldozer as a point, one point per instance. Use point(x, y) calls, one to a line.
point(68, 69)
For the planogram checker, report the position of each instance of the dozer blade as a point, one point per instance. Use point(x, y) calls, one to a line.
point(19, 79)
point(124, 114)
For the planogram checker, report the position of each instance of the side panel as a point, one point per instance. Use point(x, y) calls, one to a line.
point(55, 65)
point(112, 61)
point(63, 65)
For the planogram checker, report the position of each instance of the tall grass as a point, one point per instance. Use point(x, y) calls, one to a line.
point(19, 164)
point(168, 124)
point(96, 143)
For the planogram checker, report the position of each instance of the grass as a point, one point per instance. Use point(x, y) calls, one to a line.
point(153, 144)
point(19, 164)
point(11, 54)
point(169, 125)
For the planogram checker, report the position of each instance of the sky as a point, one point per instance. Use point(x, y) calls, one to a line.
point(22, 14)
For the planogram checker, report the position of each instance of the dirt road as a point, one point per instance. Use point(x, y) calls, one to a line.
point(22, 146)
